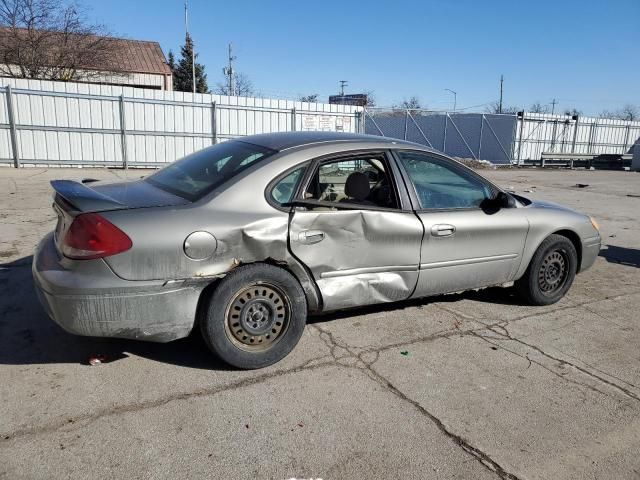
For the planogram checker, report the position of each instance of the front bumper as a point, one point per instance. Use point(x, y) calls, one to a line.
point(86, 298)
point(590, 251)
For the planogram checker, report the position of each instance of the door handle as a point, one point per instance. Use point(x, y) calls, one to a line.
point(311, 236)
point(442, 230)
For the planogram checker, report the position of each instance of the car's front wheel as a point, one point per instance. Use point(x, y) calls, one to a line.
point(255, 317)
point(550, 272)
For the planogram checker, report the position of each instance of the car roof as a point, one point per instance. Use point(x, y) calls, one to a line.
point(287, 140)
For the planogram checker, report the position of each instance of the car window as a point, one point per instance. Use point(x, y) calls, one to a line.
point(284, 189)
point(361, 180)
point(440, 185)
point(199, 173)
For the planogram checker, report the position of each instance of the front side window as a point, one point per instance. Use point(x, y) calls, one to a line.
point(199, 173)
point(283, 190)
point(357, 180)
point(440, 185)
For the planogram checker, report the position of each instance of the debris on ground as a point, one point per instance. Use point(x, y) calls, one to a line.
point(97, 359)
point(581, 185)
point(632, 195)
point(476, 164)
point(405, 353)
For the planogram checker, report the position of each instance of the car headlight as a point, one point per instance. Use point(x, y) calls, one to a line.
point(595, 224)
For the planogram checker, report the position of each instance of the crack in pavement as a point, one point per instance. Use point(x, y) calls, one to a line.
point(540, 364)
point(363, 359)
point(614, 385)
point(86, 419)
point(367, 367)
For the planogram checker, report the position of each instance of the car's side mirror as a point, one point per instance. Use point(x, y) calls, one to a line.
point(504, 200)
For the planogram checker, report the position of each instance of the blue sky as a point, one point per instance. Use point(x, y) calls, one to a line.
point(586, 53)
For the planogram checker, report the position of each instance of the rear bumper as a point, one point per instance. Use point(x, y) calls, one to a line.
point(87, 298)
point(590, 250)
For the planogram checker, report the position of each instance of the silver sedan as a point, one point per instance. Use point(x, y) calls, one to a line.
point(245, 238)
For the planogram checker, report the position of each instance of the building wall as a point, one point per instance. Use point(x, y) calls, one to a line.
point(139, 80)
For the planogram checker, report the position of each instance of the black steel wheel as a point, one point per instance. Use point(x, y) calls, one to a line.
point(551, 271)
point(256, 316)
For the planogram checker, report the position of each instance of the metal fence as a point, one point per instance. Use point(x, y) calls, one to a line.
point(539, 133)
point(504, 138)
point(57, 123)
point(467, 135)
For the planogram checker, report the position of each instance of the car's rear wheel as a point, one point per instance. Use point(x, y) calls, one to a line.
point(550, 273)
point(255, 317)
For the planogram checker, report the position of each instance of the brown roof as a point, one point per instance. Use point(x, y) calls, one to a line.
point(132, 56)
point(140, 56)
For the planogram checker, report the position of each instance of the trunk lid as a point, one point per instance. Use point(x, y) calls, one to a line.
point(73, 198)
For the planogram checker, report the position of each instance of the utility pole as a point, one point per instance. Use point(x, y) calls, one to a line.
point(343, 83)
point(500, 104)
point(554, 102)
point(193, 50)
point(230, 73)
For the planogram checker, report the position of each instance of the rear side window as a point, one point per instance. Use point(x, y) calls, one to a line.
point(284, 189)
point(199, 173)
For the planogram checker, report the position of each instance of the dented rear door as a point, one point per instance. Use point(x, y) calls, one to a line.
point(358, 256)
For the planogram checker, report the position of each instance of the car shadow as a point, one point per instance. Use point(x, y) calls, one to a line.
point(621, 255)
point(28, 336)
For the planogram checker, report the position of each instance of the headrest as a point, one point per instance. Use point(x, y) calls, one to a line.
point(357, 186)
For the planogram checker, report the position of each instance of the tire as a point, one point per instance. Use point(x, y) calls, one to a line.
point(255, 317)
point(550, 273)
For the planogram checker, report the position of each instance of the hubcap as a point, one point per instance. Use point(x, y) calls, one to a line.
point(257, 317)
point(553, 272)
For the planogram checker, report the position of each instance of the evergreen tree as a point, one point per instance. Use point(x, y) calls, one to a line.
point(183, 73)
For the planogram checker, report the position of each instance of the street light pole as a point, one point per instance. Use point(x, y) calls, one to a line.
point(193, 50)
point(455, 98)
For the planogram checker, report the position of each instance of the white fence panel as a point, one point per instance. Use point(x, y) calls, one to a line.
point(543, 133)
point(68, 123)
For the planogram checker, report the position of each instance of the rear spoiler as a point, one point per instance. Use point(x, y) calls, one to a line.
point(84, 198)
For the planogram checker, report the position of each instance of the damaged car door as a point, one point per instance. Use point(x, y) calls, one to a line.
point(353, 232)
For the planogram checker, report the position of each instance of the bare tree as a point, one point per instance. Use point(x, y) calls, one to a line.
point(53, 40)
point(411, 104)
point(313, 98)
point(538, 108)
point(572, 112)
point(629, 112)
point(243, 87)
point(494, 107)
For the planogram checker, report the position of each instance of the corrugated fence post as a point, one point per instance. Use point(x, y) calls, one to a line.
point(123, 134)
point(214, 124)
point(12, 128)
point(521, 119)
point(293, 119)
point(406, 123)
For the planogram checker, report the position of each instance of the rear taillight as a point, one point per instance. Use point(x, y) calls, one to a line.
point(92, 236)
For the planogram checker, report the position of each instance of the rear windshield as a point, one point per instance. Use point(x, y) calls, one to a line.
point(197, 174)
